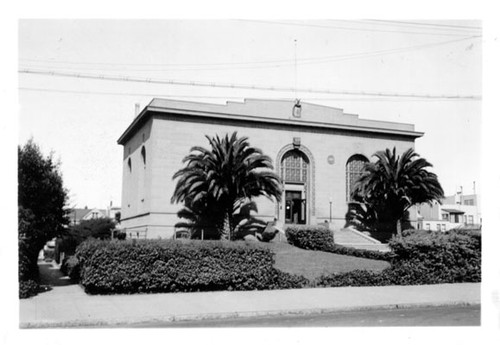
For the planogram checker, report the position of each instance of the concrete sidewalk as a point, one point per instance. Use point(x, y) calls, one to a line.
point(70, 306)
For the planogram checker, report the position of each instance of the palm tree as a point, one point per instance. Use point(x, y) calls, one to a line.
point(202, 219)
point(392, 184)
point(220, 180)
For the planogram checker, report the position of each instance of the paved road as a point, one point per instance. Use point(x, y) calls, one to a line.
point(428, 316)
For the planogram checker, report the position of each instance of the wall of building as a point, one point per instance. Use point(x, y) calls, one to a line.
point(437, 225)
point(428, 217)
point(169, 139)
point(136, 181)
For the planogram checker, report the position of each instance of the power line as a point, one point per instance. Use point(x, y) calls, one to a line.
point(274, 63)
point(431, 25)
point(238, 86)
point(313, 59)
point(104, 93)
point(357, 29)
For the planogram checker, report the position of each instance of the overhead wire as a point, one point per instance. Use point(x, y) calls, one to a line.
point(429, 25)
point(55, 73)
point(354, 29)
point(171, 95)
point(242, 65)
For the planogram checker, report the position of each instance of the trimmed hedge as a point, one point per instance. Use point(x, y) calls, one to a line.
point(172, 266)
point(27, 270)
point(361, 253)
point(448, 257)
point(28, 288)
point(310, 237)
point(321, 238)
point(71, 267)
point(421, 258)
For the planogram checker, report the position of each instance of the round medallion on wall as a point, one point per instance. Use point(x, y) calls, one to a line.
point(331, 159)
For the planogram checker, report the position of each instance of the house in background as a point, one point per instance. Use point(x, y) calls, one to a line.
point(456, 211)
point(114, 212)
point(76, 215)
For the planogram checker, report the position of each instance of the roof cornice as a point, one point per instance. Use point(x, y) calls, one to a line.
point(147, 112)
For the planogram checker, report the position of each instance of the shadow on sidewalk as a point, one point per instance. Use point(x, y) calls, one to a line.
point(51, 276)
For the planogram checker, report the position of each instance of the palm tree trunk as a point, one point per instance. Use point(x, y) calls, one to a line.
point(228, 231)
point(398, 227)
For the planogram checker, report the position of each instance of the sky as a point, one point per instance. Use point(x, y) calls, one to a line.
point(80, 119)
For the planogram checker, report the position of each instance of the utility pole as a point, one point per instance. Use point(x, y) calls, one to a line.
point(295, 65)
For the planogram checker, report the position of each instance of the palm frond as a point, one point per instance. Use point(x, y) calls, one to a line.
point(222, 177)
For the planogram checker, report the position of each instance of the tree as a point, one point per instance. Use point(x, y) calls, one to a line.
point(100, 228)
point(41, 202)
point(204, 219)
point(392, 184)
point(217, 182)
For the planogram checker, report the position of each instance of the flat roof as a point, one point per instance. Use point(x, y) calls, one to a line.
point(452, 210)
point(270, 112)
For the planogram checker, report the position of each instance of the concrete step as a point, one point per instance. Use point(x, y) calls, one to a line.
point(375, 247)
point(348, 237)
point(351, 236)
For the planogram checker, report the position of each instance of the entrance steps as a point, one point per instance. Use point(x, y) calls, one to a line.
point(350, 237)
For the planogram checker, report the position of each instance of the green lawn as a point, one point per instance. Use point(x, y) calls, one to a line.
point(312, 264)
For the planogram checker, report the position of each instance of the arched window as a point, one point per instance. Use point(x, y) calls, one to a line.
point(143, 155)
point(354, 167)
point(129, 163)
point(294, 167)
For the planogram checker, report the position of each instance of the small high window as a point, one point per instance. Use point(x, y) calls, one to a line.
point(143, 155)
point(129, 163)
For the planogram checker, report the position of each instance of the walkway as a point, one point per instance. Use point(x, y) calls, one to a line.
point(70, 306)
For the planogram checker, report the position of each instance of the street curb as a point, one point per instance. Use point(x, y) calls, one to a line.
point(229, 315)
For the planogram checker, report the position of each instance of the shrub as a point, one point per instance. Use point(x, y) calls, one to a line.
point(353, 278)
point(474, 233)
point(310, 237)
point(49, 254)
point(86, 249)
point(447, 257)
point(26, 267)
point(100, 228)
point(419, 258)
point(320, 238)
point(172, 266)
point(283, 280)
point(361, 253)
point(71, 267)
point(121, 235)
point(27, 270)
point(28, 288)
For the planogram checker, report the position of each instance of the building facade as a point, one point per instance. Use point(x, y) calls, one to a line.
point(317, 151)
point(76, 215)
point(456, 211)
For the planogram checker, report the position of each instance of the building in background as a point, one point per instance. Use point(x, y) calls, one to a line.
point(76, 215)
point(318, 152)
point(456, 211)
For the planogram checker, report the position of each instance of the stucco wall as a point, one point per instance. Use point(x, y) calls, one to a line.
point(170, 137)
point(136, 182)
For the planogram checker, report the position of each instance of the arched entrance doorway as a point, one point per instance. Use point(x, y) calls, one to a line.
point(295, 172)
